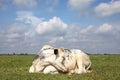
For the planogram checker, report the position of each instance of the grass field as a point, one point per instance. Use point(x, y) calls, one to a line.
point(105, 67)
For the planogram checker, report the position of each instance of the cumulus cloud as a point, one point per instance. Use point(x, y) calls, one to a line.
point(25, 3)
point(108, 9)
point(101, 39)
point(13, 28)
point(50, 31)
point(79, 4)
point(28, 18)
point(16, 32)
point(13, 38)
point(29, 32)
point(19, 37)
point(53, 26)
point(88, 29)
point(13, 35)
point(104, 28)
point(56, 39)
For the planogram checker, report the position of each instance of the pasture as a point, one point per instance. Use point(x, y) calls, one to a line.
point(15, 67)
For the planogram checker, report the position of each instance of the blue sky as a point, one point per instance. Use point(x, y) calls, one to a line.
point(89, 25)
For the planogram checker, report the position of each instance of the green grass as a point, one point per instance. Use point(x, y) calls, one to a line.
point(105, 67)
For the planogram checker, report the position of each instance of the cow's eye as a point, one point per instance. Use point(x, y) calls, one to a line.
point(55, 51)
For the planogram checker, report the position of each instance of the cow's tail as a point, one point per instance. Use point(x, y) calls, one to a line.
point(88, 68)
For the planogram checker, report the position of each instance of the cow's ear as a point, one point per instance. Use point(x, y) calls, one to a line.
point(55, 51)
point(62, 49)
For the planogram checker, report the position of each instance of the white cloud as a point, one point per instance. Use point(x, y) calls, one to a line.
point(108, 9)
point(18, 38)
point(88, 29)
point(13, 35)
point(25, 3)
point(104, 28)
point(16, 32)
point(56, 39)
point(79, 4)
point(20, 28)
point(54, 26)
point(102, 39)
point(14, 39)
point(28, 18)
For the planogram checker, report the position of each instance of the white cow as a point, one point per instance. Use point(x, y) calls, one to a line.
point(61, 60)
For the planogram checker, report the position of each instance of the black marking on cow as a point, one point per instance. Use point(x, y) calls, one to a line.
point(36, 57)
point(68, 53)
point(42, 57)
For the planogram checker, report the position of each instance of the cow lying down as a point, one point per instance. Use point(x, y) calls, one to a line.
point(56, 60)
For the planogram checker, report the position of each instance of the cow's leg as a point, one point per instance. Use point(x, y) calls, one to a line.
point(50, 69)
point(79, 66)
point(59, 66)
point(57, 63)
point(84, 70)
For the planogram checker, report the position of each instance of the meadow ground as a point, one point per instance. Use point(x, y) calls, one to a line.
point(15, 67)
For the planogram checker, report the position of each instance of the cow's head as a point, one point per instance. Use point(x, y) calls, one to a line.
point(40, 62)
point(47, 56)
point(48, 53)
